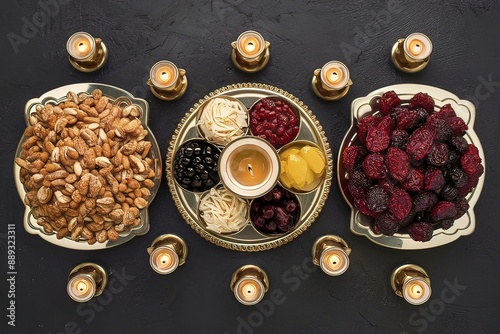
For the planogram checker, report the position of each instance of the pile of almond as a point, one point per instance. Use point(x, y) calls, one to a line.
point(86, 168)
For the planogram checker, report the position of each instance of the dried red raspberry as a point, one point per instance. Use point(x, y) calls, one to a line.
point(364, 124)
point(400, 204)
point(459, 144)
point(424, 201)
point(443, 210)
point(377, 140)
point(419, 143)
point(387, 102)
point(406, 118)
point(414, 180)
point(457, 126)
point(422, 100)
point(438, 154)
point(420, 231)
point(434, 179)
point(385, 124)
point(439, 128)
point(376, 199)
point(399, 139)
point(447, 112)
point(356, 190)
point(374, 166)
point(359, 178)
point(462, 206)
point(362, 206)
point(398, 162)
point(458, 177)
point(470, 160)
point(352, 155)
point(387, 184)
point(472, 182)
point(386, 224)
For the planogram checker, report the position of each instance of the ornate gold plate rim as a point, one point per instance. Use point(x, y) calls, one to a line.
point(358, 223)
point(248, 93)
point(58, 95)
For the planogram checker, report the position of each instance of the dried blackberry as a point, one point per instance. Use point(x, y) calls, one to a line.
point(443, 210)
point(377, 199)
point(453, 158)
point(448, 192)
point(400, 204)
point(359, 178)
point(438, 155)
point(422, 100)
point(387, 102)
point(386, 224)
point(458, 177)
point(398, 163)
point(424, 201)
point(374, 166)
point(420, 231)
point(434, 179)
point(414, 181)
point(462, 206)
point(356, 191)
point(472, 182)
point(459, 144)
point(419, 143)
point(399, 139)
point(447, 223)
point(408, 219)
point(422, 115)
point(439, 128)
point(362, 206)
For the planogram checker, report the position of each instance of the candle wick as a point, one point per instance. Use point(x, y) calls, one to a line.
point(250, 169)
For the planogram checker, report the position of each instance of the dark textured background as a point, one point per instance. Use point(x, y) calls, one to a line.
point(196, 35)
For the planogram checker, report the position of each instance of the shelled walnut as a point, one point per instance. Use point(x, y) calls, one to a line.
point(86, 167)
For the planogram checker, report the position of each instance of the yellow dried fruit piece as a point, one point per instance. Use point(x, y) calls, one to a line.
point(297, 169)
point(285, 154)
point(314, 159)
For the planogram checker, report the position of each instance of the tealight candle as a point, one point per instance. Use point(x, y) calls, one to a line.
point(418, 46)
point(167, 82)
point(332, 81)
point(166, 253)
point(331, 253)
point(412, 283)
point(249, 167)
point(87, 280)
point(81, 45)
point(82, 288)
point(334, 261)
point(249, 284)
point(164, 260)
point(250, 51)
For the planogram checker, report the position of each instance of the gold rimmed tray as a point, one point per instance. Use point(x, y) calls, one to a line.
point(249, 239)
point(116, 95)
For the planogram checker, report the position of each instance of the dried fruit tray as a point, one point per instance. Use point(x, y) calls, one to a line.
point(360, 224)
point(248, 239)
point(118, 96)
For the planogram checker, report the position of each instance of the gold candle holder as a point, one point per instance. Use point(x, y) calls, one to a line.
point(332, 81)
point(166, 81)
point(86, 53)
point(249, 167)
point(412, 54)
point(331, 253)
point(86, 281)
point(250, 52)
point(412, 283)
point(249, 284)
point(166, 253)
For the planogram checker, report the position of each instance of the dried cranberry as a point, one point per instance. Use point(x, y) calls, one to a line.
point(438, 154)
point(364, 124)
point(387, 102)
point(362, 206)
point(406, 118)
point(443, 210)
point(470, 160)
point(374, 166)
point(420, 231)
point(424, 201)
point(388, 185)
point(400, 204)
point(419, 143)
point(414, 181)
point(439, 128)
point(377, 140)
point(398, 163)
point(422, 100)
point(434, 179)
point(462, 206)
point(353, 155)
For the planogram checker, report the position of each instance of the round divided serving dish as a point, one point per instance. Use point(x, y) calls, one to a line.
point(123, 99)
point(361, 224)
point(249, 238)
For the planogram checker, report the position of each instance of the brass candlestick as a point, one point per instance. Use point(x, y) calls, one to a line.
point(332, 81)
point(86, 281)
point(249, 284)
point(250, 52)
point(167, 252)
point(166, 81)
point(412, 283)
point(412, 54)
point(331, 253)
point(86, 53)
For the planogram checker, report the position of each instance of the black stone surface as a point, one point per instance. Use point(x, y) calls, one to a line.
point(196, 35)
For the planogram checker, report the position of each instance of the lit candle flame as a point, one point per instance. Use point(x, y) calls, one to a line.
point(250, 170)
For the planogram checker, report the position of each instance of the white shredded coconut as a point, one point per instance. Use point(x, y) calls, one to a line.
point(222, 211)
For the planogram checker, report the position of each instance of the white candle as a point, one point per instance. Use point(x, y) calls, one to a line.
point(82, 287)
point(164, 260)
point(249, 290)
point(416, 291)
point(81, 45)
point(417, 46)
point(250, 44)
point(335, 75)
point(164, 74)
point(334, 261)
